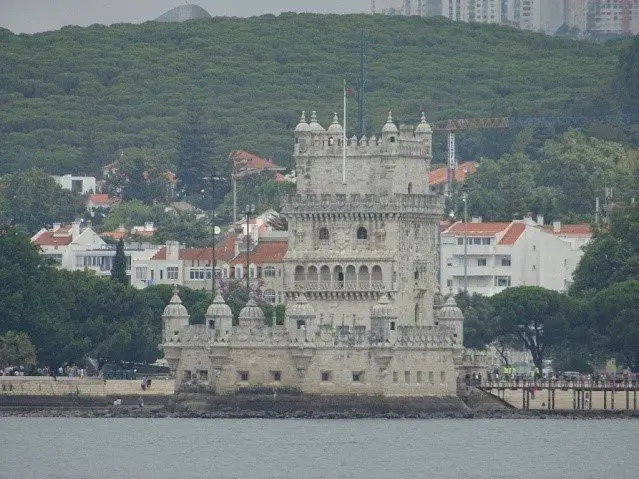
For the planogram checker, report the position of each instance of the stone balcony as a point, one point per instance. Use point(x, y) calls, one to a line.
point(309, 285)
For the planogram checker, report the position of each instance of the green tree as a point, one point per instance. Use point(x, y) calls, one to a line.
point(614, 314)
point(16, 349)
point(534, 317)
point(118, 271)
point(612, 256)
point(627, 80)
point(32, 200)
point(194, 157)
point(479, 320)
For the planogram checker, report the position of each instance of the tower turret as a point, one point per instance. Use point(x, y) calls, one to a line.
point(383, 318)
point(451, 315)
point(424, 133)
point(389, 131)
point(174, 318)
point(251, 315)
point(302, 134)
point(301, 319)
point(219, 317)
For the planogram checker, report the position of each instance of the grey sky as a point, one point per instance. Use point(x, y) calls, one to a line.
point(30, 16)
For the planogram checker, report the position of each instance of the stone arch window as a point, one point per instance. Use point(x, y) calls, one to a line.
point(312, 277)
point(392, 139)
point(377, 279)
point(300, 276)
point(331, 141)
point(364, 278)
point(416, 313)
point(410, 188)
point(323, 234)
point(351, 277)
point(362, 233)
point(338, 277)
point(325, 277)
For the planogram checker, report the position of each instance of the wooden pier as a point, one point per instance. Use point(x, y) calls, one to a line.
point(547, 394)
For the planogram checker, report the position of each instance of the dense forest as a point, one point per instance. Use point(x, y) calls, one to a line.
point(73, 100)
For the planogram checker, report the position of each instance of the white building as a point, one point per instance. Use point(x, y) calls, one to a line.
point(75, 248)
point(499, 255)
point(77, 184)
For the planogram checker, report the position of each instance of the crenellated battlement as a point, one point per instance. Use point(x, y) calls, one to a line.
point(357, 203)
point(326, 145)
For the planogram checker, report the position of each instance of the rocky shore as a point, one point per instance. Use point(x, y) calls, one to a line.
point(282, 407)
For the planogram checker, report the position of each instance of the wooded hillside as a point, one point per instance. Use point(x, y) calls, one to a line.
point(70, 100)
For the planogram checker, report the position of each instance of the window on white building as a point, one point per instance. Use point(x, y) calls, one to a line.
point(141, 273)
point(486, 241)
point(197, 274)
point(239, 271)
point(502, 281)
point(481, 261)
point(269, 296)
point(460, 241)
point(269, 272)
point(505, 261)
point(477, 240)
point(171, 272)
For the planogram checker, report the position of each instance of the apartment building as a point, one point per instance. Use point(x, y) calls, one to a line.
point(486, 258)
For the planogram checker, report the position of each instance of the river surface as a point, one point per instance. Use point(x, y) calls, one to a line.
point(331, 449)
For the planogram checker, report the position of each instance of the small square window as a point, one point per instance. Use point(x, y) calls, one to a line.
point(505, 261)
point(243, 375)
point(431, 377)
point(419, 377)
point(276, 375)
point(203, 374)
point(460, 241)
point(407, 377)
point(187, 375)
point(442, 378)
point(392, 326)
point(481, 261)
point(326, 376)
point(449, 283)
point(357, 376)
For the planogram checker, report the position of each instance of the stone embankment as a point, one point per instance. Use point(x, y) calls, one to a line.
point(88, 387)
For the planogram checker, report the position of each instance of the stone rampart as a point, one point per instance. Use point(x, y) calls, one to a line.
point(64, 386)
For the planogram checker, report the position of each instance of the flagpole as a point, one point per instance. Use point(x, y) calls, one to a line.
point(344, 139)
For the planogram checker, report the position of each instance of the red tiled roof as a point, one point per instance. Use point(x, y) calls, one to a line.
point(477, 229)
point(271, 252)
point(570, 230)
point(247, 163)
point(53, 238)
point(224, 251)
point(102, 199)
point(513, 233)
point(117, 234)
point(439, 176)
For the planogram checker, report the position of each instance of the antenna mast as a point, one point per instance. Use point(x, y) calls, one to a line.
point(360, 91)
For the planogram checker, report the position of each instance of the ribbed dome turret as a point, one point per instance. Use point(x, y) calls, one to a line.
point(390, 127)
point(251, 314)
point(314, 125)
point(450, 310)
point(302, 126)
point(423, 126)
point(335, 128)
point(175, 308)
point(384, 309)
point(219, 308)
point(301, 309)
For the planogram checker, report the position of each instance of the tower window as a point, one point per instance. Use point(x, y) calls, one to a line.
point(362, 233)
point(410, 188)
point(323, 234)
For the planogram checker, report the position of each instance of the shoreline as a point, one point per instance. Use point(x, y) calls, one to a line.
point(282, 407)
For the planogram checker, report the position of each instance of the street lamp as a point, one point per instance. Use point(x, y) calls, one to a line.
point(249, 210)
point(465, 200)
point(212, 180)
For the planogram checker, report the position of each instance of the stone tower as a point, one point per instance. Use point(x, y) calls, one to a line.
point(363, 223)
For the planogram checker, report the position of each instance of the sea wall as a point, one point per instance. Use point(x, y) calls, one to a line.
point(93, 387)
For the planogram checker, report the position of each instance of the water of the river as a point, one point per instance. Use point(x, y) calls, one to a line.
point(332, 449)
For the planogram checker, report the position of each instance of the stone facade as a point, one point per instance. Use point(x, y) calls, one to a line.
point(360, 276)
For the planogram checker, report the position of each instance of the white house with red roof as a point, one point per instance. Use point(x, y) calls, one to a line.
point(191, 267)
point(438, 177)
point(487, 257)
point(73, 247)
point(101, 201)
